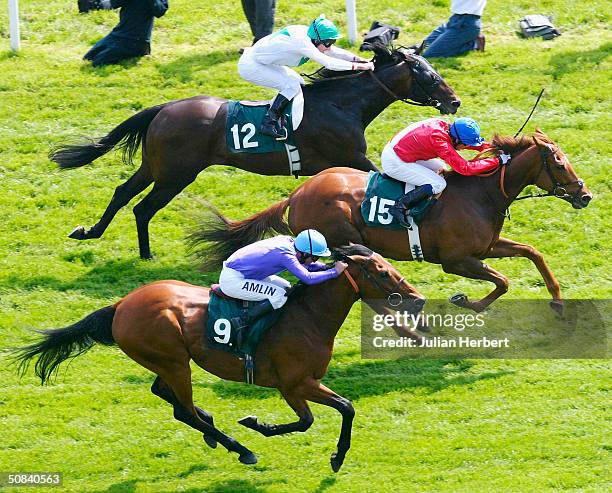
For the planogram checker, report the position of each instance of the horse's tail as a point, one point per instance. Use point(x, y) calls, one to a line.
point(61, 344)
point(217, 237)
point(128, 135)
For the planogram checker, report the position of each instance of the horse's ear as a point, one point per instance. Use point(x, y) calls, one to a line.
point(415, 49)
point(537, 141)
point(381, 51)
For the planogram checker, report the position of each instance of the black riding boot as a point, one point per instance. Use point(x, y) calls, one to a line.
point(401, 209)
point(253, 314)
point(272, 124)
point(241, 324)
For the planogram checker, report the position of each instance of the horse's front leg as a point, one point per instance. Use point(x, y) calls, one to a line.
point(508, 248)
point(473, 268)
point(319, 393)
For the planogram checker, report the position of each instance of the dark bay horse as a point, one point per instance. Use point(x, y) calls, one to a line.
point(182, 138)
point(460, 230)
point(160, 326)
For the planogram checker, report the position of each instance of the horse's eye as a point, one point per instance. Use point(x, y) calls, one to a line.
point(384, 274)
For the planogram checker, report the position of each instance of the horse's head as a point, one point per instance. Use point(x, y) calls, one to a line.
point(557, 176)
point(420, 82)
point(376, 281)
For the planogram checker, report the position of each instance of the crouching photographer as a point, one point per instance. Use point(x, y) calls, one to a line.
point(132, 36)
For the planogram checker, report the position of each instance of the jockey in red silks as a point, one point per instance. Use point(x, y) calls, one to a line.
point(417, 154)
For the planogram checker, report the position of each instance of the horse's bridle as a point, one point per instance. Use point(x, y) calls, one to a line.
point(392, 295)
point(415, 78)
point(559, 189)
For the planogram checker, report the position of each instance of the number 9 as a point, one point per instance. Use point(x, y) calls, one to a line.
point(223, 328)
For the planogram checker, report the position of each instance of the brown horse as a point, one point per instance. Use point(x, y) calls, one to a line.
point(160, 327)
point(182, 138)
point(460, 230)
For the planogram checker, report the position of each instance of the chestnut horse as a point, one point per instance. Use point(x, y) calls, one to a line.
point(182, 138)
point(160, 326)
point(460, 229)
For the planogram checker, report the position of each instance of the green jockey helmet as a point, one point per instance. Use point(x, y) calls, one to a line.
point(322, 29)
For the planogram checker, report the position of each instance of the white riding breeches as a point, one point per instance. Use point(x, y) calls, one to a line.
point(417, 173)
point(286, 81)
point(272, 288)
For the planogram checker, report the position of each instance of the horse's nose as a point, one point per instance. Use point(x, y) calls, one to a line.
point(419, 303)
point(456, 103)
point(585, 199)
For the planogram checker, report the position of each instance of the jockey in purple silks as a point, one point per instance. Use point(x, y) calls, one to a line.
point(250, 273)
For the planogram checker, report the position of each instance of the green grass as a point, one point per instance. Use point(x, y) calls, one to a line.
point(421, 425)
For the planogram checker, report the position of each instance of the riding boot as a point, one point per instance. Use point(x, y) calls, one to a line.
point(272, 123)
point(240, 324)
point(401, 209)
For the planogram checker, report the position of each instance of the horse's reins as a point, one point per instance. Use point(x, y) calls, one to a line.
point(430, 101)
point(559, 189)
point(363, 269)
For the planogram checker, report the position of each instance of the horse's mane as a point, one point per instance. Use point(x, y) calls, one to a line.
point(510, 145)
point(339, 253)
point(382, 59)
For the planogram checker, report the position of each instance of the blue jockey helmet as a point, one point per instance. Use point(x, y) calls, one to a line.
point(312, 242)
point(466, 131)
point(322, 29)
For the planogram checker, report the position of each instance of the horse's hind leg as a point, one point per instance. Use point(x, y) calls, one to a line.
point(298, 404)
point(123, 194)
point(161, 389)
point(508, 248)
point(473, 268)
point(179, 380)
point(144, 211)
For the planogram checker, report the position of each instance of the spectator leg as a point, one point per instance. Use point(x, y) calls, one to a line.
point(459, 37)
point(435, 34)
point(264, 18)
point(249, 11)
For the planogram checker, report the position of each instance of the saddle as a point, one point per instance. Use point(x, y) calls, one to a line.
point(220, 332)
point(242, 128)
point(382, 192)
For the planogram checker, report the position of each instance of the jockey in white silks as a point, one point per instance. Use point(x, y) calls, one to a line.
point(266, 64)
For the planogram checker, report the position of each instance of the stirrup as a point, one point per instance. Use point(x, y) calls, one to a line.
point(239, 323)
point(282, 137)
point(273, 131)
point(401, 214)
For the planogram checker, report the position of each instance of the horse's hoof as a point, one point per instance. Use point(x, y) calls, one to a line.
point(336, 461)
point(147, 256)
point(458, 299)
point(77, 233)
point(210, 441)
point(557, 306)
point(248, 458)
point(248, 421)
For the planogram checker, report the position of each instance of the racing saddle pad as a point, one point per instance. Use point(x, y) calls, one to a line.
point(381, 194)
point(219, 331)
point(242, 128)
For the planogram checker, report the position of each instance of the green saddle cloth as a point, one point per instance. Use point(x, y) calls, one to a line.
point(221, 334)
point(242, 128)
point(381, 193)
